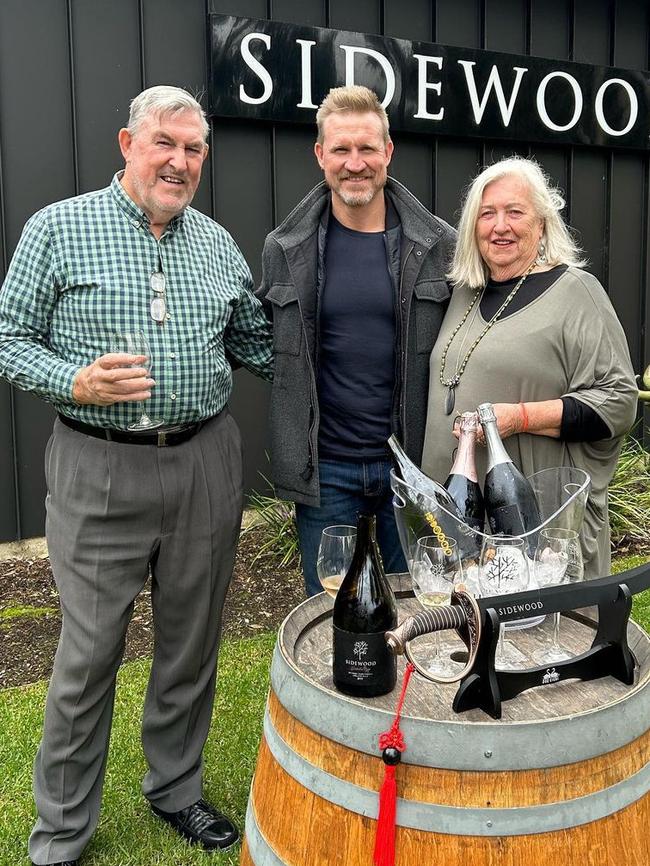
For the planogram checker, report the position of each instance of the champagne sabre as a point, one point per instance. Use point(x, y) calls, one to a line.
point(469, 615)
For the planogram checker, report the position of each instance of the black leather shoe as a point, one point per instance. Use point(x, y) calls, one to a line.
point(201, 824)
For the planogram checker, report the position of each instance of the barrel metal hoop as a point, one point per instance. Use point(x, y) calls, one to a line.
point(457, 820)
point(457, 744)
point(261, 852)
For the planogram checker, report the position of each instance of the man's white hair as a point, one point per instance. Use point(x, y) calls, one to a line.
point(468, 267)
point(164, 99)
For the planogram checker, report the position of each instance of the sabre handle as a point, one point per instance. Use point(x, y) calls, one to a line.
point(437, 619)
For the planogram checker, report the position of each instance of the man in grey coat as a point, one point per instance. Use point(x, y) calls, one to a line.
point(354, 283)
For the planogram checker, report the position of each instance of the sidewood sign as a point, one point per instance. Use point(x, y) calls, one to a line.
point(267, 70)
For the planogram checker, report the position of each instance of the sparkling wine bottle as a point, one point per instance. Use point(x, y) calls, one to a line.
point(510, 501)
point(427, 495)
point(364, 610)
point(462, 482)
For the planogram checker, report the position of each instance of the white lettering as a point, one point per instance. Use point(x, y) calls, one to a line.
point(305, 72)
point(493, 81)
point(424, 85)
point(350, 53)
point(634, 106)
point(541, 104)
point(257, 68)
point(521, 608)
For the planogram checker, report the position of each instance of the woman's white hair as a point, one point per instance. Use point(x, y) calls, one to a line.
point(468, 267)
point(163, 100)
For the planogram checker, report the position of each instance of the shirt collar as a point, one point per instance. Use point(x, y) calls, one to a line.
point(133, 213)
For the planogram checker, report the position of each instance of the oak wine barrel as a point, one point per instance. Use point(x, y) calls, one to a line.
point(562, 778)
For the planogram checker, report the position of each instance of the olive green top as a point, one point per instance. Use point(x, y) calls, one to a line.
point(567, 342)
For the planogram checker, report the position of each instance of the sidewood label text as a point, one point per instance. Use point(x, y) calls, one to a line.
point(280, 72)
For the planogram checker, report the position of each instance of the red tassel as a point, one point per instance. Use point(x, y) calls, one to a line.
point(392, 745)
point(385, 838)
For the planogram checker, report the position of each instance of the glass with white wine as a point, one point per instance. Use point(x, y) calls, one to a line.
point(435, 570)
point(334, 556)
point(335, 553)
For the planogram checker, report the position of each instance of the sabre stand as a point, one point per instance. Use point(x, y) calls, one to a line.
point(485, 687)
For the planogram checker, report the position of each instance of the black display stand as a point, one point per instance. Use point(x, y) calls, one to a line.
point(486, 687)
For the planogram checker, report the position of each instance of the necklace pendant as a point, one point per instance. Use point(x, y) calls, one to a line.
point(450, 400)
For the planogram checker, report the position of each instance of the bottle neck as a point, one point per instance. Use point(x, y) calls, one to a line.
point(366, 528)
point(497, 453)
point(465, 462)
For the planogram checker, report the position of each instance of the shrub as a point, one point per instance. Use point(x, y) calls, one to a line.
point(629, 495)
point(276, 519)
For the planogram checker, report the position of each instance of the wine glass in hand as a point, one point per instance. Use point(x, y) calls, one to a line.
point(436, 569)
point(558, 559)
point(503, 568)
point(135, 343)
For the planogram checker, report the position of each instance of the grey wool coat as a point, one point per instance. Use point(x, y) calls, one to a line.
point(419, 248)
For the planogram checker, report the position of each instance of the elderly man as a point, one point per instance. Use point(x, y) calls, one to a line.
point(124, 502)
point(354, 281)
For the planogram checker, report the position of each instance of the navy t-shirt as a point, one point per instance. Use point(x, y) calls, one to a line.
point(357, 345)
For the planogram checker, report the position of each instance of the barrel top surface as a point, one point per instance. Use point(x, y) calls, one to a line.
point(307, 632)
point(611, 712)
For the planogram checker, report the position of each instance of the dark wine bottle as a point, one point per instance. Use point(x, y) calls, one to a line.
point(510, 501)
point(462, 482)
point(427, 495)
point(364, 610)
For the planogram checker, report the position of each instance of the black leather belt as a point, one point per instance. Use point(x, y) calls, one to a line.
point(162, 438)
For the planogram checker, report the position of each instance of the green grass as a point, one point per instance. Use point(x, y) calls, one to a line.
point(128, 835)
point(641, 602)
point(8, 614)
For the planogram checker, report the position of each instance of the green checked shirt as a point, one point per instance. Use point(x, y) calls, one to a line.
point(81, 273)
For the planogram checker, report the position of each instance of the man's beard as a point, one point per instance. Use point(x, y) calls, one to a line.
point(360, 198)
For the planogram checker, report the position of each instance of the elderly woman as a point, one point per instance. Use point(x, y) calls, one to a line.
point(532, 332)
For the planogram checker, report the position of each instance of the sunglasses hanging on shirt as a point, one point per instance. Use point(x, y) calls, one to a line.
point(158, 307)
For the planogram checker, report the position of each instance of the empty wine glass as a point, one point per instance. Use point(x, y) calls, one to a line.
point(136, 343)
point(333, 561)
point(435, 570)
point(558, 559)
point(503, 568)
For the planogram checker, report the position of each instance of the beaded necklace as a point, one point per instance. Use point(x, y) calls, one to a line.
point(452, 384)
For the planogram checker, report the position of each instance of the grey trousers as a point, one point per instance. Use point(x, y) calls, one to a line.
point(113, 511)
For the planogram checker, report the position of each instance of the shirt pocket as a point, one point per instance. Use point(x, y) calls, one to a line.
point(431, 298)
point(287, 322)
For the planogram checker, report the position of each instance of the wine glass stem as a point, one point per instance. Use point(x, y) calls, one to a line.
point(500, 644)
point(556, 631)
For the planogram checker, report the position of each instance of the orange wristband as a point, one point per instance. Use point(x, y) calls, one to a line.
point(524, 419)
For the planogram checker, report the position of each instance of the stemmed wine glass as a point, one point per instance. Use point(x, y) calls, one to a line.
point(435, 570)
point(503, 568)
point(135, 343)
point(558, 559)
point(333, 561)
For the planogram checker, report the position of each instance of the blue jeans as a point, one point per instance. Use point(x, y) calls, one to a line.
point(346, 488)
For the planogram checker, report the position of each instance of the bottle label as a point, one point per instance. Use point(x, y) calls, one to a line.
point(360, 659)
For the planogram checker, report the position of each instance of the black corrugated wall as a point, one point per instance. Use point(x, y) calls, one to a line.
point(68, 69)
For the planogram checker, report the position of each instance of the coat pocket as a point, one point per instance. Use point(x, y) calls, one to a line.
point(287, 323)
point(431, 299)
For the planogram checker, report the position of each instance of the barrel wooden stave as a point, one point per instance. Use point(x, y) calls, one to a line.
point(308, 831)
